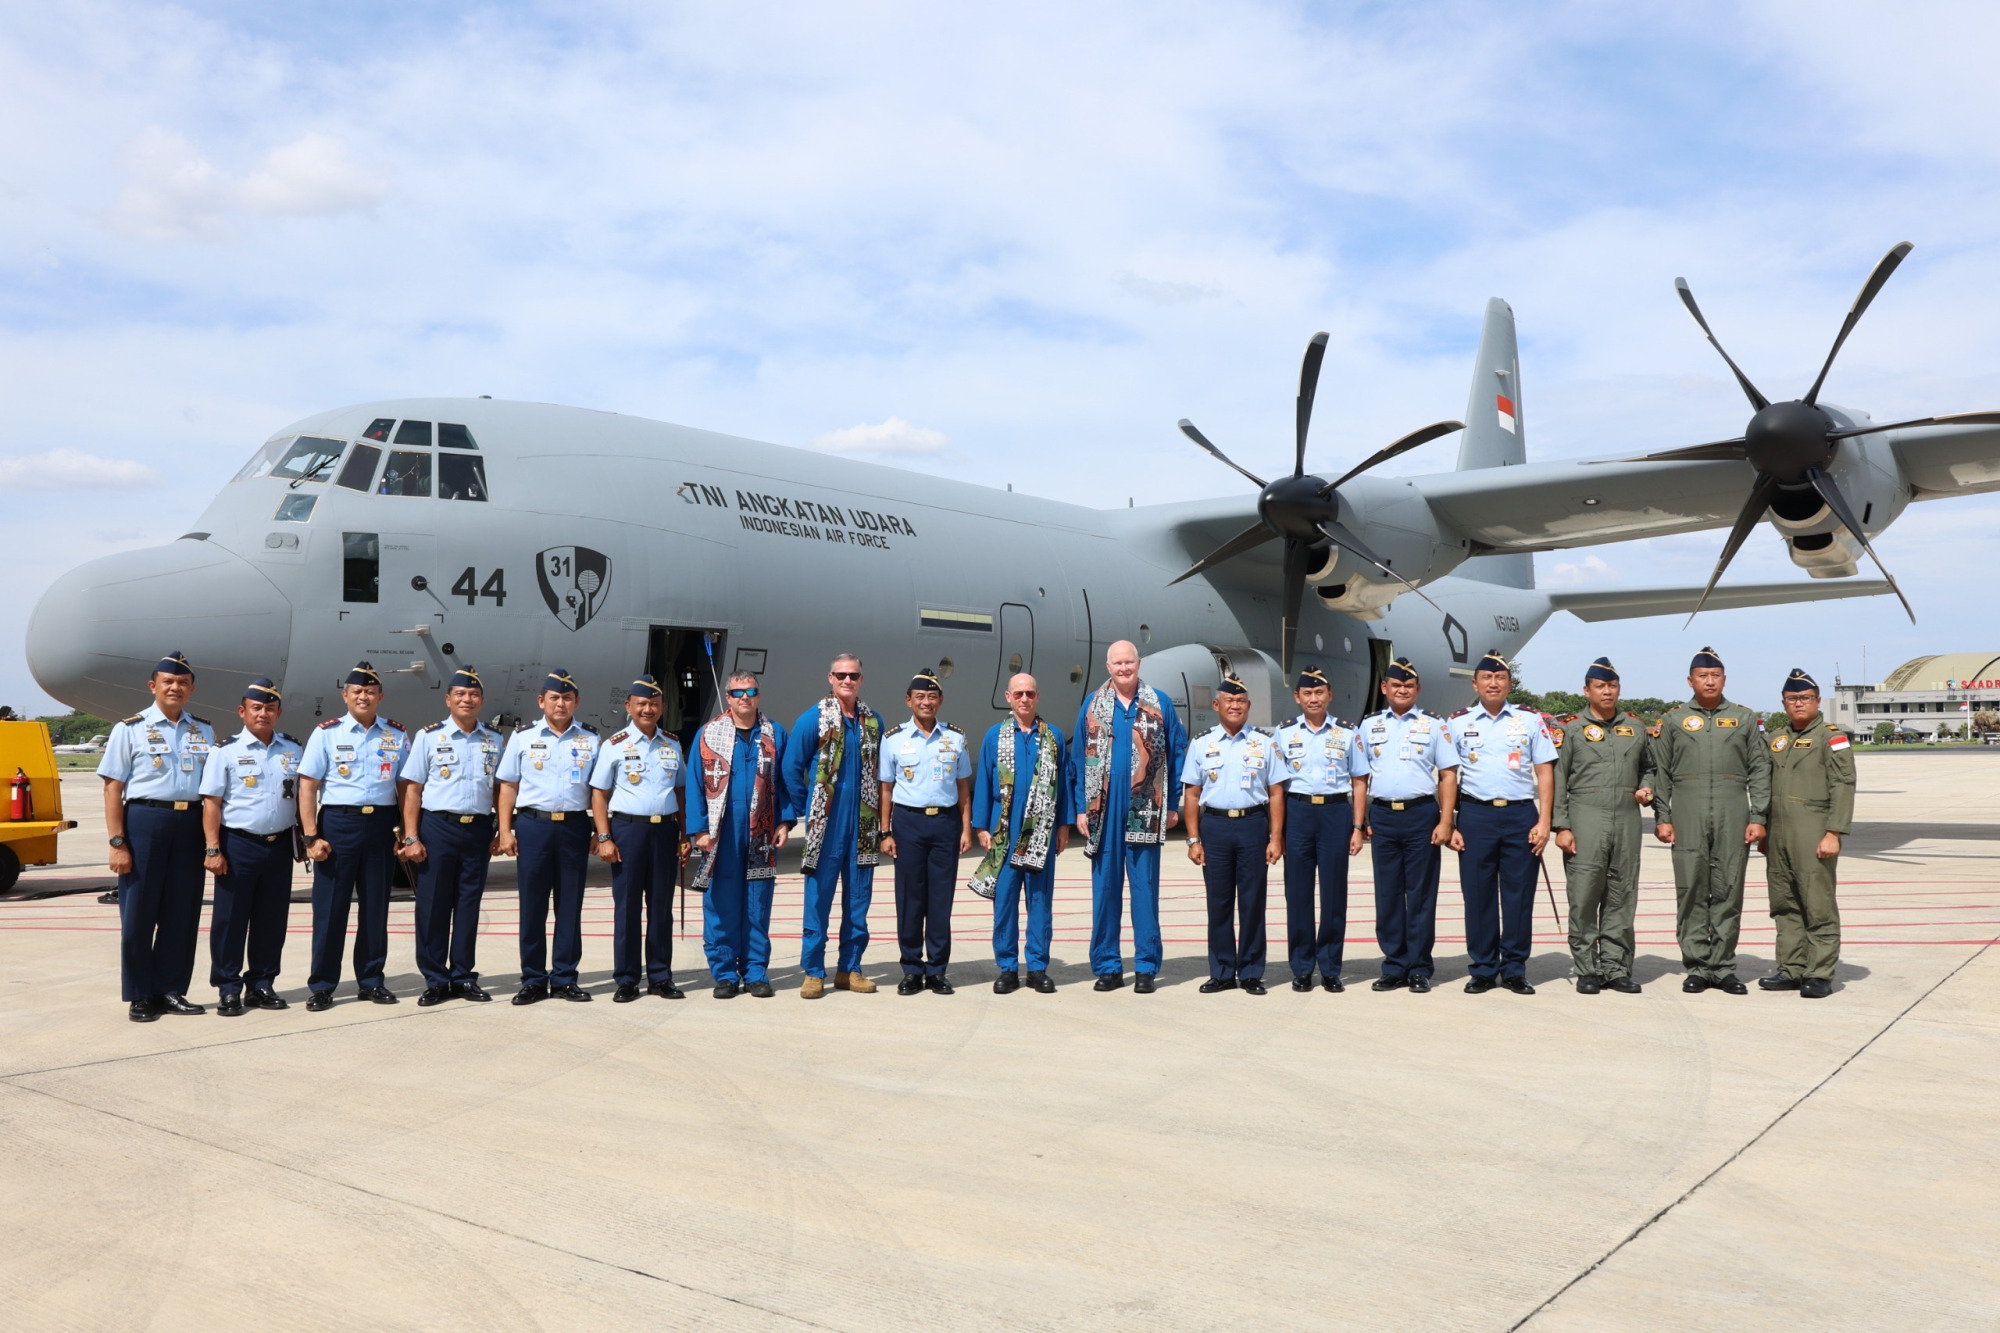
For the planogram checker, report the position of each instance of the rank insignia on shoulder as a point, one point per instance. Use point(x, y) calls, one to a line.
point(392, 722)
point(619, 737)
point(133, 720)
point(435, 726)
point(1729, 721)
point(201, 721)
point(287, 736)
point(953, 726)
point(330, 722)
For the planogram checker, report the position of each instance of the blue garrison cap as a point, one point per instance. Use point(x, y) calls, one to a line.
point(645, 687)
point(1231, 684)
point(558, 682)
point(1705, 658)
point(363, 674)
point(1493, 662)
point(925, 679)
point(174, 663)
point(1800, 683)
point(466, 678)
point(1601, 669)
point(1310, 676)
point(1400, 669)
point(262, 690)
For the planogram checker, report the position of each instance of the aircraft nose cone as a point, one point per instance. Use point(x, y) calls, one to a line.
point(95, 635)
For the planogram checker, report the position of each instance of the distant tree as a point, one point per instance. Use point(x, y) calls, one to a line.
point(75, 728)
point(1985, 722)
point(1884, 730)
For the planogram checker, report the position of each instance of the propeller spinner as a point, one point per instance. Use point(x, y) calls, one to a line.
point(1303, 510)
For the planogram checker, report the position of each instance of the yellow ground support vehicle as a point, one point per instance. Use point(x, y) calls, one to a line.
point(25, 753)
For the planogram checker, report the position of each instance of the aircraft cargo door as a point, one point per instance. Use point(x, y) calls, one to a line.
point(1017, 647)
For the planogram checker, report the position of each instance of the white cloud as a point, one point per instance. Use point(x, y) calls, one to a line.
point(314, 174)
point(894, 436)
point(73, 470)
point(174, 193)
point(1566, 573)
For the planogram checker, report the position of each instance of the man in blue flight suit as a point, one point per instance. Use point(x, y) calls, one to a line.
point(739, 814)
point(152, 769)
point(830, 767)
point(927, 792)
point(449, 833)
point(347, 807)
point(1020, 809)
point(544, 802)
point(635, 803)
point(1506, 785)
point(1315, 758)
point(1236, 833)
point(1127, 749)
point(1405, 769)
point(249, 807)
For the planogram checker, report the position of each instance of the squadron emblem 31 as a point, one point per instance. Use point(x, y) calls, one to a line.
point(574, 580)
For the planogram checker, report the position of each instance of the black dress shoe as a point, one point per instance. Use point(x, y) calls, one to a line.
point(1588, 985)
point(1694, 984)
point(377, 995)
point(725, 990)
point(1144, 983)
point(760, 989)
point(177, 1004)
point(666, 990)
point(1214, 984)
point(1331, 985)
point(1389, 983)
point(470, 990)
point(265, 999)
point(1519, 985)
point(626, 993)
point(433, 995)
point(1815, 988)
point(1255, 986)
point(142, 1011)
point(319, 1002)
point(574, 993)
point(531, 995)
point(1624, 986)
point(1109, 981)
point(229, 1006)
point(911, 983)
point(1420, 985)
point(1039, 983)
point(1731, 985)
point(1302, 984)
point(1778, 981)
point(1006, 983)
point(939, 984)
point(1480, 985)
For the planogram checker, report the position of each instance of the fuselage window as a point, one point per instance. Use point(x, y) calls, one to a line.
point(461, 477)
point(360, 469)
point(414, 432)
point(295, 508)
point(378, 429)
point(360, 566)
point(309, 459)
point(407, 474)
point(452, 436)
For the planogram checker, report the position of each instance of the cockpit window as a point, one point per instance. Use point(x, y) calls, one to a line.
point(414, 432)
point(407, 473)
point(360, 469)
point(378, 429)
point(310, 458)
point(451, 436)
point(264, 459)
point(461, 477)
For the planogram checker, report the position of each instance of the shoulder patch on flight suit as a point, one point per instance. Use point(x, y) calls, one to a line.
point(1557, 737)
point(1729, 721)
point(1836, 740)
point(619, 737)
point(1654, 730)
point(330, 722)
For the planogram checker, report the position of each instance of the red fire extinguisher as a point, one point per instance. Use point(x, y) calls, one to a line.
point(20, 797)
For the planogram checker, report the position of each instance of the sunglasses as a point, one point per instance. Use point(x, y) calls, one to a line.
point(845, 675)
point(743, 694)
point(1024, 694)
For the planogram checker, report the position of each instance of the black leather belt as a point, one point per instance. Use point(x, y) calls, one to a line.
point(1210, 812)
point(929, 809)
point(359, 809)
point(1499, 804)
point(1410, 804)
point(257, 837)
point(165, 805)
point(554, 816)
point(1337, 798)
point(460, 815)
point(623, 818)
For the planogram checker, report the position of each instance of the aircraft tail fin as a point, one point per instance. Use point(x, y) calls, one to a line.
point(1496, 432)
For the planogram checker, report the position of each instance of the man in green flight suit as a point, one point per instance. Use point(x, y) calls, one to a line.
point(1711, 796)
point(1812, 806)
point(1604, 766)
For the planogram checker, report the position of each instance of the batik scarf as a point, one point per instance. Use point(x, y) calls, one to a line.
point(1028, 846)
point(717, 750)
point(826, 772)
point(1146, 812)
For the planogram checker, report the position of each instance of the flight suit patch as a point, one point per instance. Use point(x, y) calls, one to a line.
point(1778, 743)
point(1623, 731)
point(1804, 742)
point(1593, 732)
point(1727, 721)
point(1693, 723)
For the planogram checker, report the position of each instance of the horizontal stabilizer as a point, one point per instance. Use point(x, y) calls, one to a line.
point(1627, 603)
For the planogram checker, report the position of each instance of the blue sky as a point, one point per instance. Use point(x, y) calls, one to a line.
point(1015, 243)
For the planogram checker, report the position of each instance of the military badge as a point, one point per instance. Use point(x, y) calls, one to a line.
point(573, 580)
point(249, 779)
point(1623, 731)
point(1693, 722)
point(1779, 743)
point(1727, 721)
point(1593, 732)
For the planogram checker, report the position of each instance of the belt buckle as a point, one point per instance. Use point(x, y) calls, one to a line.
point(467, 819)
point(367, 809)
point(1395, 805)
point(556, 816)
point(180, 805)
point(931, 809)
point(1317, 800)
point(654, 819)
point(1500, 804)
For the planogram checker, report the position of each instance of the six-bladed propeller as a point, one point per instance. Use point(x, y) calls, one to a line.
point(1304, 510)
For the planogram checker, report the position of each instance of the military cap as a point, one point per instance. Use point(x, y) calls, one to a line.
point(1601, 669)
point(558, 682)
point(1232, 684)
point(645, 687)
point(924, 680)
point(363, 674)
point(1705, 658)
point(466, 678)
point(174, 663)
point(1400, 669)
point(1800, 683)
point(1310, 676)
point(1493, 662)
point(262, 690)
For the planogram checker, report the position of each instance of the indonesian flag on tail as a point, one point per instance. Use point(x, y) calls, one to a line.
point(1505, 407)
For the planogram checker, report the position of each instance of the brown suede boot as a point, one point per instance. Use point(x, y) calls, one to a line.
point(812, 988)
point(853, 981)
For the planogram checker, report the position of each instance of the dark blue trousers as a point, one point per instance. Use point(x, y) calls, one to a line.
point(1238, 880)
point(451, 882)
point(926, 881)
point(1316, 838)
point(253, 905)
point(642, 894)
point(1496, 871)
point(554, 856)
point(159, 903)
point(363, 861)
point(1406, 886)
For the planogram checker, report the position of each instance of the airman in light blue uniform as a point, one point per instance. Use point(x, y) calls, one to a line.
point(929, 827)
point(449, 831)
point(636, 805)
point(250, 793)
point(1317, 760)
point(1231, 774)
point(1407, 767)
point(544, 811)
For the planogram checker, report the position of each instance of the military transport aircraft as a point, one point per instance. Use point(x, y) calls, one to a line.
point(423, 534)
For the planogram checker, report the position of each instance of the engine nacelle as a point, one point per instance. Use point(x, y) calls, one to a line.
point(1865, 470)
point(1392, 519)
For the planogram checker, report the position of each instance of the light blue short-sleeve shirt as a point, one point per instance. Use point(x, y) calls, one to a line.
point(455, 767)
point(552, 767)
point(158, 760)
point(641, 772)
point(925, 767)
point(1402, 756)
point(1234, 772)
point(1497, 754)
point(1316, 761)
point(258, 783)
point(358, 765)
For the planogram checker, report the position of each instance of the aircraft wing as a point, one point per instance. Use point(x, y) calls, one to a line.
point(1627, 603)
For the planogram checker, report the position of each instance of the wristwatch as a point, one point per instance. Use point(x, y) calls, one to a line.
point(1194, 842)
point(120, 841)
point(213, 851)
point(407, 842)
point(312, 838)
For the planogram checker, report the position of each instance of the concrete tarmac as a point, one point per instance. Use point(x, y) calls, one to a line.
point(1383, 1161)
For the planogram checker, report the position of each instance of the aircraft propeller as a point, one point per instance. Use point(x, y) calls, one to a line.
point(1792, 443)
point(1304, 510)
